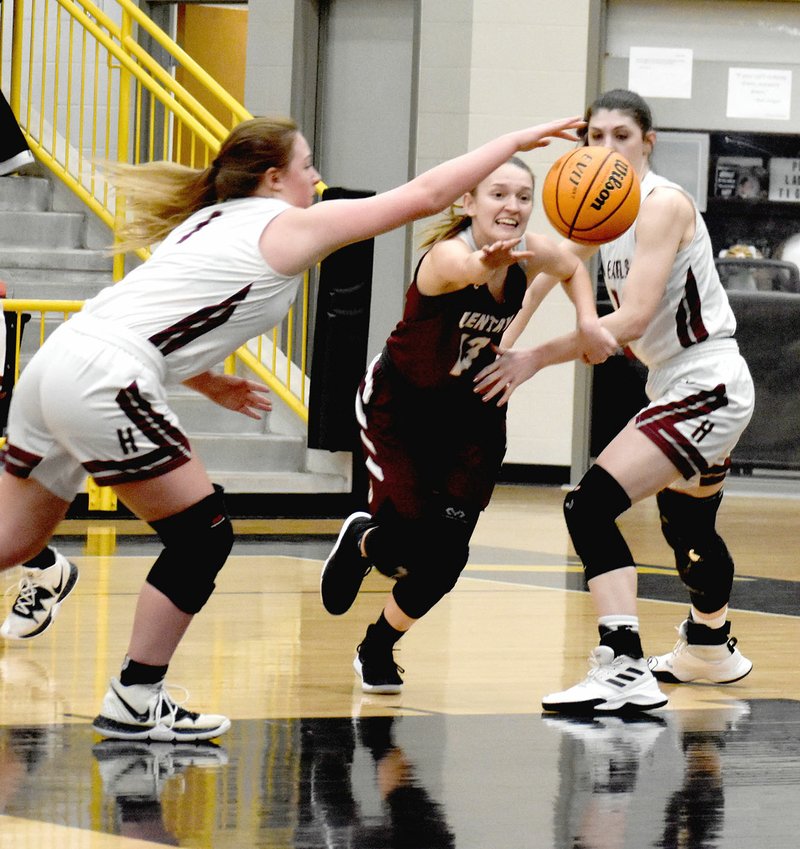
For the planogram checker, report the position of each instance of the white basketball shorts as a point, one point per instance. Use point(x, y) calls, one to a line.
point(702, 400)
point(92, 401)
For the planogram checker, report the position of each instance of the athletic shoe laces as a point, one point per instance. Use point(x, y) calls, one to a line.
point(170, 709)
point(682, 643)
point(603, 665)
point(26, 596)
point(599, 661)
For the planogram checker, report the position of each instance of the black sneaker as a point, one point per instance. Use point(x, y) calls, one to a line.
point(345, 568)
point(378, 671)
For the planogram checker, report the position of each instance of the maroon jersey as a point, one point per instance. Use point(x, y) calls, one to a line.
point(424, 429)
point(443, 341)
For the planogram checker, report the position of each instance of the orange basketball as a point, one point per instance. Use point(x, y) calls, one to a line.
point(591, 195)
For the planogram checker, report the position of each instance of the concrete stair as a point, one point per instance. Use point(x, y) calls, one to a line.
point(266, 455)
point(45, 246)
point(51, 248)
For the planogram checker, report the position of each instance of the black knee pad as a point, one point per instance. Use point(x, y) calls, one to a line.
point(197, 543)
point(440, 561)
point(701, 556)
point(684, 517)
point(590, 511)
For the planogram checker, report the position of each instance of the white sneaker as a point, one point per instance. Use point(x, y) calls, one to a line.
point(722, 664)
point(614, 685)
point(40, 594)
point(146, 712)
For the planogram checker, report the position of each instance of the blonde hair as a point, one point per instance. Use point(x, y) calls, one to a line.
point(453, 221)
point(160, 195)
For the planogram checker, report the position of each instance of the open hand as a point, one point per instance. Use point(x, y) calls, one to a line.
point(540, 135)
point(502, 253)
point(232, 392)
point(500, 378)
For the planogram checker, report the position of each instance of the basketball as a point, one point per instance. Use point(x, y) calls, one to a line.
point(591, 195)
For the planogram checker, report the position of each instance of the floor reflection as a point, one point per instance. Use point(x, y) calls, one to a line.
point(600, 762)
point(725, 777)
point(689, 780)
point(135, 777)
point(694, 816)
point(338, 812)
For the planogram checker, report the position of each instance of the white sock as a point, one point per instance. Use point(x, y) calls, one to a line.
point(618, 620)
point(709, 621)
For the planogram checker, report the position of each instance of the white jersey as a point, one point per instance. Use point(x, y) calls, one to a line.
point(205, 290)
point(2, 346)
point(694, 307)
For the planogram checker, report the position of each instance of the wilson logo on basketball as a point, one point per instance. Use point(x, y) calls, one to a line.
point(614, 181)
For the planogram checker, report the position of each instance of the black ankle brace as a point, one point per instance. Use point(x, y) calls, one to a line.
point(702, 635)
point(381, 634)
point(623, 640)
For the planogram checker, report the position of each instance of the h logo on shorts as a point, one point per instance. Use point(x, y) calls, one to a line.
point(126, 440)
point(702, 430)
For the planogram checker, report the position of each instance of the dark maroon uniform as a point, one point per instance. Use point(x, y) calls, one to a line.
point(426, 434)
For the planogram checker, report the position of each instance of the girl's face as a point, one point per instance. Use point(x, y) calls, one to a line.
point(501, 205)
point(619, 131)
point(297, 181)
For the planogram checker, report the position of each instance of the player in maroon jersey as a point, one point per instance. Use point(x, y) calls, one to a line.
point(433, 449)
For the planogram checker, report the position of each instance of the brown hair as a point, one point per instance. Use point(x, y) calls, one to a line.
point(160, 195)
point(621, 100)
point(453, 221)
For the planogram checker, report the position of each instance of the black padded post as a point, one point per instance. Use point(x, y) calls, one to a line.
point(341, 333)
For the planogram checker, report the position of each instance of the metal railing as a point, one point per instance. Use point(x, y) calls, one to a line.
point(87, 91)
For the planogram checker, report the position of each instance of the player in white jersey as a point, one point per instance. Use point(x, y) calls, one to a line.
point(234, 240)
point(673, 314)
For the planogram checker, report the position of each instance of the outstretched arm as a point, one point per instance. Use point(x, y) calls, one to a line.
point(451, 265)
point(665, 223)
point(540, 286)
point(595, 341)
point(298, 238)
point(556, 263)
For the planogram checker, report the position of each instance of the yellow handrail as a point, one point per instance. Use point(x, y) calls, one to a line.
point(113, 101)
point(185, 60)
point(246, 357)
point(120, 104)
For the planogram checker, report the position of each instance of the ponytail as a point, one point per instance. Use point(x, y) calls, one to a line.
point(160, 195)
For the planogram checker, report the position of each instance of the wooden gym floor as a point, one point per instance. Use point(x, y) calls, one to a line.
point(464, 757)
